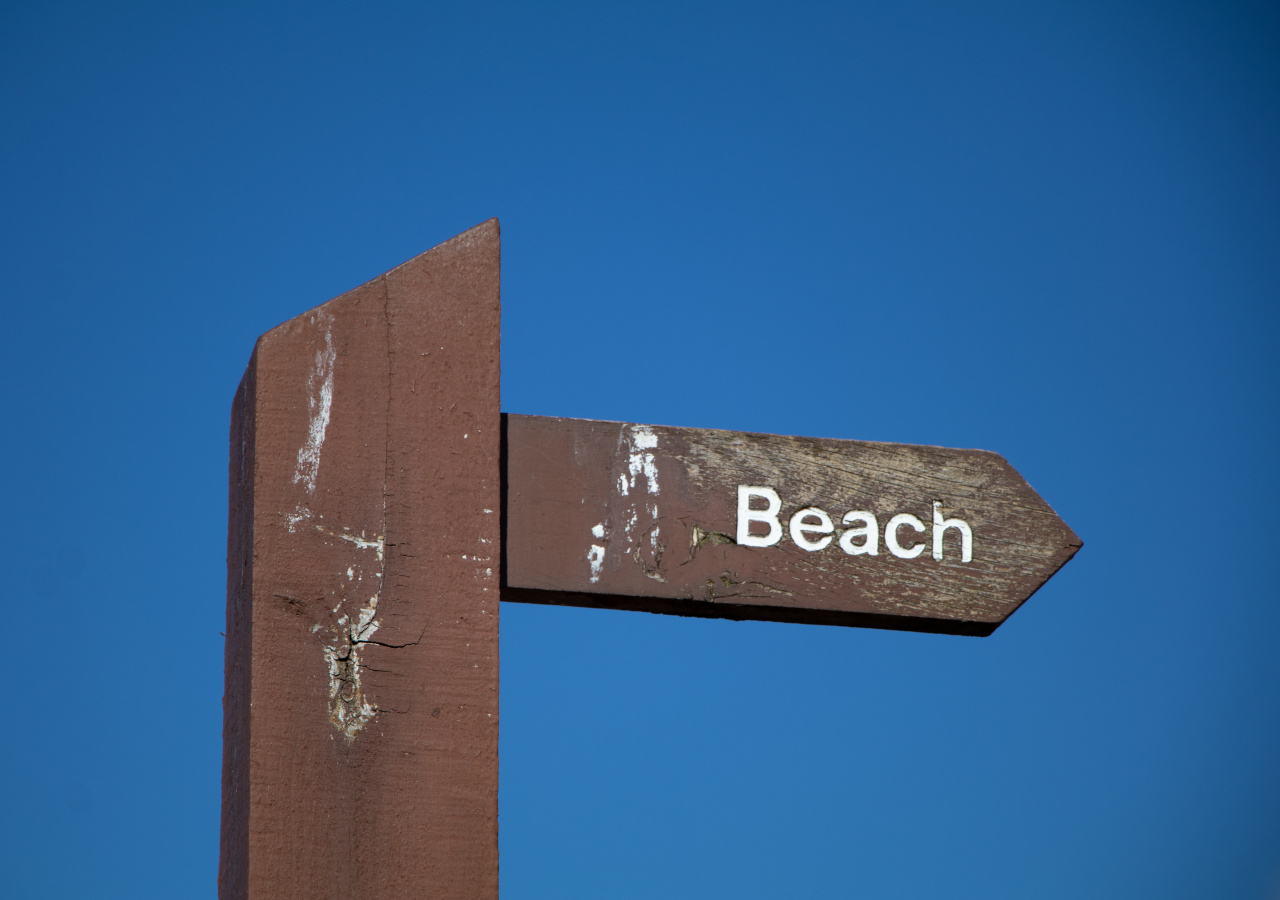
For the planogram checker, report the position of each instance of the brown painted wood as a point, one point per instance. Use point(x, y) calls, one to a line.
point(622, 516)
point(361, 706)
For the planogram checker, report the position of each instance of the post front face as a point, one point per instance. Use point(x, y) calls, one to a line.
point(360, 744)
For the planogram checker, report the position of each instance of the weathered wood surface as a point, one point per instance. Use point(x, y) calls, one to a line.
point(361, 706)
point(609, 514)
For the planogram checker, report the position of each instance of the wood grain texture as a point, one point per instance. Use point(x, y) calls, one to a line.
point(609, 514)
point(361, 706)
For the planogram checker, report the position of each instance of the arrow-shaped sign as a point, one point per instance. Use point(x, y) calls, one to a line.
point(762, 526)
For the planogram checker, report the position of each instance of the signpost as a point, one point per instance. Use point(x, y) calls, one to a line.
point(381, 505)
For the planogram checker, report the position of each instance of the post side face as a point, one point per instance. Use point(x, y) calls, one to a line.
point(233, 863)
point(836, 532)
point(374, 682)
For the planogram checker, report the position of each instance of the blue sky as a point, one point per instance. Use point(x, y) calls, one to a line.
point(1049, 230)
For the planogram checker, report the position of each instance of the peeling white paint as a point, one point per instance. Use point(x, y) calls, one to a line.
point(595, 557)
point(639, 486)
point(641, 460)
point(320, 403)
point(292, 519)
point(642, 464)
point(643, 438)
point(379, 543)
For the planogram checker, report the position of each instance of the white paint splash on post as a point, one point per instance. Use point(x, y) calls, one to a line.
point(639, 485)
point(320, 403)
point(641, 461)
point(642, 465)
point(299, 513)
point(595, 558)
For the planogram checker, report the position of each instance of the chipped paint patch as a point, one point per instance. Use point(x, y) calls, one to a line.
point(350, 709)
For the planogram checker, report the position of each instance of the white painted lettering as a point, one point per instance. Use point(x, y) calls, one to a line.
point(940, 525)
point(891, 536)
point(869, 531)
point(800, 530)
point(812, 529)
point(769, 516)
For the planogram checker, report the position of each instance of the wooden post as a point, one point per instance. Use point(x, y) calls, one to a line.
point(361, 707)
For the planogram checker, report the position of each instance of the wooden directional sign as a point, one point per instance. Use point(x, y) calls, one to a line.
point(380, 505)
point(761, 526)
